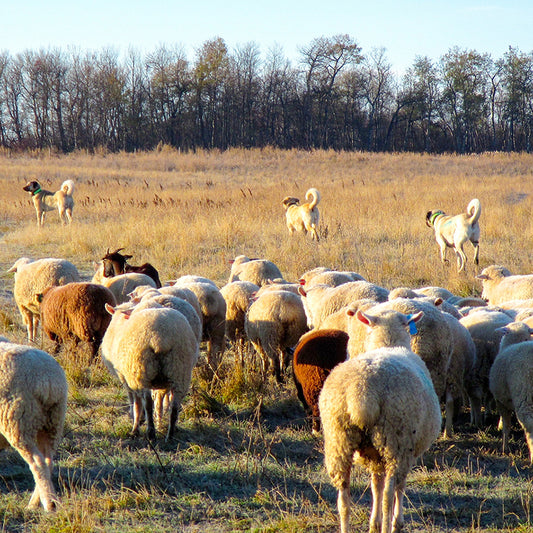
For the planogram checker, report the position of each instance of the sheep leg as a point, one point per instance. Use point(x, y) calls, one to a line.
point(450, 408)
point(398, 520)
point(158, 397)
point(149, 413)
point(44, 490)
point(376, 517)
point(343, 503)
point(389, 491)
point(137, 405)
point(506, 425)
point(175, 406)
point(525, 417)
point(27, 318)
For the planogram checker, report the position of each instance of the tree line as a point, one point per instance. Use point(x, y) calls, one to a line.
point(334, 97)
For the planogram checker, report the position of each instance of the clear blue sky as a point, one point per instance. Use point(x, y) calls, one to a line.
point(404, 28)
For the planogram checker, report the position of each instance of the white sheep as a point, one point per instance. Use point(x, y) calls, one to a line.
point(184, 294)
point(500, 286)
point(484, 327)
point(258, 271)
point(327, 276)
point(213, 315)
point(238, 296)
point(511, 381)
point(32, 278)
point(322, 300)
point(33, 403)
point(380, 409)
point(150, 349)
point(123, 284)
point(273, 323)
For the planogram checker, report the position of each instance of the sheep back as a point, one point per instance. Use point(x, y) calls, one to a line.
point(77, 310)
point(371, 396)
point(315, 355)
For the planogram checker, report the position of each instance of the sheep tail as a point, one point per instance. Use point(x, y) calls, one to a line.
point(474, 210)
point(313, 197)
point(68, 187)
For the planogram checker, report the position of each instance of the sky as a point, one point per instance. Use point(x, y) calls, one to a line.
point(404, 28)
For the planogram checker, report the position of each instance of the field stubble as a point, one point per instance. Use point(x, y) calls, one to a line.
point(243, 458)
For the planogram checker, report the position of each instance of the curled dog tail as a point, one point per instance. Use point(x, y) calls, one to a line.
point(68, 187)
point(474, 210)
point(313, 197)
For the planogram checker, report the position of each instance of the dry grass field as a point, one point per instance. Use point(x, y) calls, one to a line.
point(243, 458)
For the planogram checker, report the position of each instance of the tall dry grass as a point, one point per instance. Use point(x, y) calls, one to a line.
point(191, 213)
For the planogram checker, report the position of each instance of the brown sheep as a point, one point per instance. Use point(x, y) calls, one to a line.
point(317, 353)
point(76, 311)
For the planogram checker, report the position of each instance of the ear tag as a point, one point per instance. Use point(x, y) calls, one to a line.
point(412, 325)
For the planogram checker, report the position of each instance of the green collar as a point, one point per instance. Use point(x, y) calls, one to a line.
point(434, 216)
point(36, 192)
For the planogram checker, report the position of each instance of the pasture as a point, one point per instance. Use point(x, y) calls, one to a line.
point(243, 458)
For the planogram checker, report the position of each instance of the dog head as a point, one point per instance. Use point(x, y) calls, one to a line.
point(290, 200)
point(32, 187)
point(431, 216)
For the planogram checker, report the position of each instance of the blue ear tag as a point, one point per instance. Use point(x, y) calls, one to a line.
point(412, 325)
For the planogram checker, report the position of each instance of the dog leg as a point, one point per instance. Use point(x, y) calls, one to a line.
point(476, 252)
point(461, 258)
point(443, 247)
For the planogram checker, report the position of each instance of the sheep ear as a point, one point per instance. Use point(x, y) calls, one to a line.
point(417, 317)
point(365, 319)
point(350, 311)
point(301, 291)
point(40, 297)
point(110, 309)
point(482, 276)
point(438, 301)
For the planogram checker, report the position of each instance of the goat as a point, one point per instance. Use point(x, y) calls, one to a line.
point(115, 263)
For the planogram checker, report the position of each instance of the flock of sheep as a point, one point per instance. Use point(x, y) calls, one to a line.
point(371, 365)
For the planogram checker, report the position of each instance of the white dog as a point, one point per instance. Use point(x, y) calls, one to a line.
point(303, 217)
point(454, 231)
point(50, 201)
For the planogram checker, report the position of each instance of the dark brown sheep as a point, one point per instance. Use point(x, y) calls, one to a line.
point(115, 263)
point(317, 353)
point(76, 311)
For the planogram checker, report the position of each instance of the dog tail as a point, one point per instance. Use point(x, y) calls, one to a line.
point(313, 196)
point(474, 210)
point(68, 187)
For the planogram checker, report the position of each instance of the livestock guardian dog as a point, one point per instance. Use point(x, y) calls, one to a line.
point(303, 217)
point(50, 201)
point(454, 231)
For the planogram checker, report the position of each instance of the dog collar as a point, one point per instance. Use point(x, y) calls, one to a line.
point(36, 192)
point(434, 216)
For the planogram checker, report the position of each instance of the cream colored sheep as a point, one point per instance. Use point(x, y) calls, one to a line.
point(258, 271)
point(151, 349)
point(379, 409)
point(500, 286)
point(33, 402)
point(321, 301)
point(327, 276)
point(273, 323)
point(238, 296)
point(213, 315)
point(123, 284)
point(511, 381)
point(32, 278)
point(483, 326)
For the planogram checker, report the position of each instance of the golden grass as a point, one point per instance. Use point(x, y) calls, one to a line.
point(191, 213)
